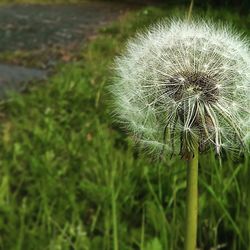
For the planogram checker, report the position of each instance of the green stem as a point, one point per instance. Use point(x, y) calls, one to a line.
point(192, 202)
point(190, 10)
point(114, 220)
point(114, 212)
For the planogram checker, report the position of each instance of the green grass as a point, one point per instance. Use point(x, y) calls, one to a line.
point(71, 179)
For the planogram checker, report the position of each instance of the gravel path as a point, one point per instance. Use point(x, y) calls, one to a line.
point(16, 77)
point(46, 28)
point(35, 26)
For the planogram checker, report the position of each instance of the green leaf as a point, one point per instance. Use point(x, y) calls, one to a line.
point(154, 244)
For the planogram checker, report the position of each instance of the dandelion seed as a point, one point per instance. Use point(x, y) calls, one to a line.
point(183, 80)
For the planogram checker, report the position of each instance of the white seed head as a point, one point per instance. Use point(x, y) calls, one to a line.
point(181, 81)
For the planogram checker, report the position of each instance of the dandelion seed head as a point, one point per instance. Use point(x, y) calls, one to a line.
point(182, 80)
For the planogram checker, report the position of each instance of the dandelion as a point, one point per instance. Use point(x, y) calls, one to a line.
point(182, 80)
point(183, 87)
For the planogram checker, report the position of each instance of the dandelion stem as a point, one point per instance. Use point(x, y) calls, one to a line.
point(192, 201)
point(190, 10)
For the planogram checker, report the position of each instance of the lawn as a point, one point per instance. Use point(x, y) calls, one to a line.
point(72, 179)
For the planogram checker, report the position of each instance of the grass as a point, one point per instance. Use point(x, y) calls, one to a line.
point(40, 58)
point(71, 179)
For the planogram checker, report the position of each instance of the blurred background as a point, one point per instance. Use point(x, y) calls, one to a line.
point(70, 178)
